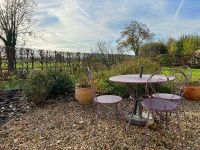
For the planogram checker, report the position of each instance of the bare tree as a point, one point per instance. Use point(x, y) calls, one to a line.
point(16, 19)
point(106, 53)
point(133, 36)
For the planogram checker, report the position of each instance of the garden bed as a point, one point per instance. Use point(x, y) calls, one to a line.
point(68, 125)
point(12, 104)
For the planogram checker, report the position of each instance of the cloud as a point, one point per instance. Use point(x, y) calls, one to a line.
point(179, 8)
point(79, 24)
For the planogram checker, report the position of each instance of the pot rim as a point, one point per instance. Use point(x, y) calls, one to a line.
point(77, 87)
point(190, 85)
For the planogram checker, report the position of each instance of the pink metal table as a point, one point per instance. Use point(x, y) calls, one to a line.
point(135, 80)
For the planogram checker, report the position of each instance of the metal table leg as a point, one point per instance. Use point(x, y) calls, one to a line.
point(137, 116)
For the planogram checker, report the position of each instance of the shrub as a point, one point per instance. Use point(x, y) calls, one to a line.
point(61, 82)
point(41, 85)
point(131, 66)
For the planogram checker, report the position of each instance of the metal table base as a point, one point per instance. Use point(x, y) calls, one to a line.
point(139, 121)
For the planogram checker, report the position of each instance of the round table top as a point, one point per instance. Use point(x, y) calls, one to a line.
point(134, 78)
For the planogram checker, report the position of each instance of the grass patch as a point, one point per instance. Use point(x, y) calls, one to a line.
point(195, 74)
point(11, 84)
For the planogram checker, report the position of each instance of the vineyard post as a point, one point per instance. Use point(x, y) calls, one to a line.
point(27, 57)
point(47, 59)
point(32, 59)
point(41, 58)
point(1, 66)
point(55, 56)
point(79, 61)
point(69, 62)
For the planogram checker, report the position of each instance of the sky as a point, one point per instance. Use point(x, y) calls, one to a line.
point(77, 25)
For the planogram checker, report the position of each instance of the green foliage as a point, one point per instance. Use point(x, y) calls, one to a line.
point(43, 84)
point(131, 66)
point(60, 82)
point(153, 49)
point(186, 45)
point(11, 84)
point(83, 81)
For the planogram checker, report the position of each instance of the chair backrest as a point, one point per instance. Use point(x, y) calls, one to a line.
point(187, 71)
point(173, 79)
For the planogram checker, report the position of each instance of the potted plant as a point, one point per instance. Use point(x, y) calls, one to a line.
point(84, 92)
point(192, 91)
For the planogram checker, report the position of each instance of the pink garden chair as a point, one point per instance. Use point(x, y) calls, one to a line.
point(103, 99)
point(182, 76)
point(159, 103)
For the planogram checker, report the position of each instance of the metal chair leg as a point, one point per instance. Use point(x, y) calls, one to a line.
point(183, 108)
point(179, 128)
point(97, 112)
point(145, 132)
point(117, 110)
point(132, 113)
point(166, 119)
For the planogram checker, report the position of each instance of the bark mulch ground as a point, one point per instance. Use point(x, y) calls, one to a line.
point(68, 125)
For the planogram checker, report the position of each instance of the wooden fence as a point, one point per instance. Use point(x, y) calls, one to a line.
point(29, 59)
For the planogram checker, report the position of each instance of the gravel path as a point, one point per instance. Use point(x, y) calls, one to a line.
point(68, 125)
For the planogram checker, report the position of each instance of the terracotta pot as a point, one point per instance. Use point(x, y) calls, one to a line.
point(84, 96)
point(192, 92)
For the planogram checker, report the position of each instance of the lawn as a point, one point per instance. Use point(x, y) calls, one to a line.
point(196, 75)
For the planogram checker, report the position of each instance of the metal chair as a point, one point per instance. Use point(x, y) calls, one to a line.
point(182, 76)
point(160, 106)
point(103, 99)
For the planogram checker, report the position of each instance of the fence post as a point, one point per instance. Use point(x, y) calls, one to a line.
point(69, 62)
point(55, 55)
point(46, 59)
point(60, 60)
point(27, 56)
point(21, 57)
point(0, 65)
point(32, 59)
point(79, 61)
point(41, 52)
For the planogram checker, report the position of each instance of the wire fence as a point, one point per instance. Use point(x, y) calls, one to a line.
point(27, 60)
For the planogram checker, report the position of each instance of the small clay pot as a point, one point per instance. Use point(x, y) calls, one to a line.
point(192, 92)
point(84, 95)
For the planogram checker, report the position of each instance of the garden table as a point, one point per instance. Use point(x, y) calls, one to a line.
point(136, 81)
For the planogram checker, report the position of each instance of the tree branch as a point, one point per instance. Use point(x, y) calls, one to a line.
point(3, 39)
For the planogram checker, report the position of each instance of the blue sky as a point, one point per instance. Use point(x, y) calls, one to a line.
point(77, 25)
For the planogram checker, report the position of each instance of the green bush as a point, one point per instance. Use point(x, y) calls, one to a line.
point(41, 85)
point(131, 66)
point(61, 82)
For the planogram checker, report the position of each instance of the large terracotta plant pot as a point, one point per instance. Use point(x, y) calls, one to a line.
point(192, 92)
point(84, 95)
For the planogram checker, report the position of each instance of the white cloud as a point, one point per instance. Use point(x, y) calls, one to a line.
point(179, 8)
point(83, 23)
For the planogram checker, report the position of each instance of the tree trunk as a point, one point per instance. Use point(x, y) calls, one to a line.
point(10, 53)
point(136, 52)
